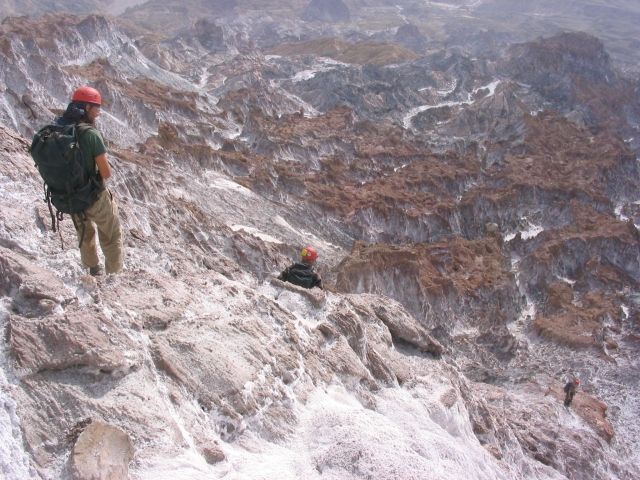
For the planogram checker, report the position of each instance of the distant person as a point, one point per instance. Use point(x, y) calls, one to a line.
point(302, 273)
point(72, 160)
point(570, 391)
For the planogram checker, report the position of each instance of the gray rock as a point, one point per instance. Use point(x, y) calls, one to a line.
point(315, 296)
point(210, 35)
point(410, 36)
point(326, 11)
point(406, 329)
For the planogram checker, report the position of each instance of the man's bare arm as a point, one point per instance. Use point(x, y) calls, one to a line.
point(103, 166)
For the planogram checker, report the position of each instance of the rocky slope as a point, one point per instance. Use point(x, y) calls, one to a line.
point(477, 219)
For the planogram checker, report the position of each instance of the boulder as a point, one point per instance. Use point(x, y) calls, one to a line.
point(212, 452)
point(102, 452)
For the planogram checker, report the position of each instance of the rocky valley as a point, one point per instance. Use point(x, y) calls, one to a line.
point(468, 172)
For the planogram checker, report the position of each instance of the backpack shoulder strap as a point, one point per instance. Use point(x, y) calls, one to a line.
point(82, 127)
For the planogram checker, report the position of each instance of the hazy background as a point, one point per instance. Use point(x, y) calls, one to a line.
point(444, 23)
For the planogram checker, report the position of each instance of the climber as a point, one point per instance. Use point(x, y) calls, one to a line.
point(570, 390)
point(89, 203)
point(302, 273)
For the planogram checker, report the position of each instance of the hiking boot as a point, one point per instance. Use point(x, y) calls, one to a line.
point(95, 271)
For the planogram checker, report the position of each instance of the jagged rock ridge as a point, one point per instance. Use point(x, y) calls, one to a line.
point(479, 234)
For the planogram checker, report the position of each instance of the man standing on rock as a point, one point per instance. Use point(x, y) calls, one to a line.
point(83, 111)
point(570, 390)
point(302, 273)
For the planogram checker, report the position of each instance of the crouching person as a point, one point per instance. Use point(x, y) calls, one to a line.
point(302, 273)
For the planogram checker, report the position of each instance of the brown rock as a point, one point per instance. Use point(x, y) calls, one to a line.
point(102, 452)
point(79, 338)
point(212, 452)
point(611, 344)
point(449, 398)
point(592, 410)
point(432, 280)
point(579, 326)
point(494, 450)
point(464, 266)
point(359, 53)
point(560, 295)
point(407, 329)
point(35, 290)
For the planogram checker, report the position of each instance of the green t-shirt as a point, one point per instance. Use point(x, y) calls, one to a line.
point(92, 145)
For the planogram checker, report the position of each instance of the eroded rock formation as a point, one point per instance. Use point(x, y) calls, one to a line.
point(478, 230)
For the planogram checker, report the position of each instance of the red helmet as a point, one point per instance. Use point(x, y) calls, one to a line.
point(309, 254)
point(87, 95)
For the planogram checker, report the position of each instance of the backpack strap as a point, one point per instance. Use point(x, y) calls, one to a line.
point(84, 127)
point(47, 199)
point(81, 218)
point(56, 217)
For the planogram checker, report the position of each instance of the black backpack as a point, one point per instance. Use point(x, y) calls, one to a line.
point(67, 183)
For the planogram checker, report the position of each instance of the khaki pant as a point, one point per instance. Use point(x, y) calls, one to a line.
point(104, 214)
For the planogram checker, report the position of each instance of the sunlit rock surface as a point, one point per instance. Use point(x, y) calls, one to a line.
point(477, 225)
point(101, 452)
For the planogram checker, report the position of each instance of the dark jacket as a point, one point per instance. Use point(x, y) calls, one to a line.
point(301, 274)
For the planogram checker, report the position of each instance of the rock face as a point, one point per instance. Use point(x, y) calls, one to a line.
point(173, 16)
point(477, 225)
point(410, 36)
point(34, 289)
point(574, 71)
point(79, 339)
point(326, 11)
point(211, 36)
point(102, 452)
point(436, 279)
point(562, 57)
